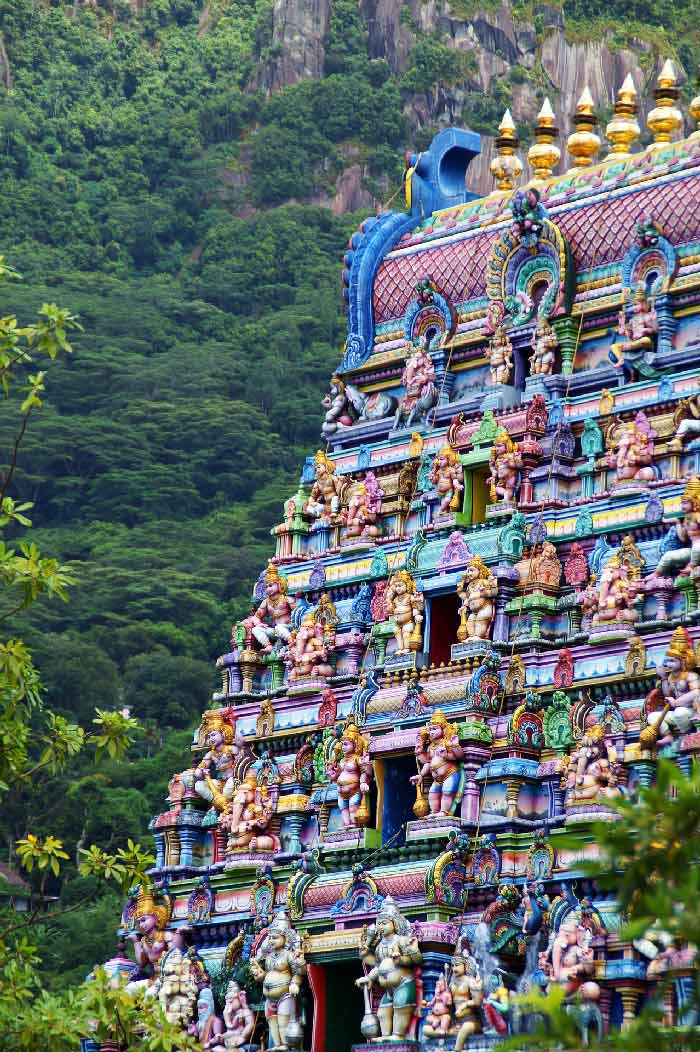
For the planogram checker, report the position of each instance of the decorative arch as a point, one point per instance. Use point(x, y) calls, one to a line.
point(431, 314)
point(651, 262)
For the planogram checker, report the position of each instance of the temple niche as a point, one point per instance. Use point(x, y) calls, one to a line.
point(477, 629)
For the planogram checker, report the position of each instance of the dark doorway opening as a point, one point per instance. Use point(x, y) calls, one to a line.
point(444, 622)
point(399, 797)
point(345, 1006)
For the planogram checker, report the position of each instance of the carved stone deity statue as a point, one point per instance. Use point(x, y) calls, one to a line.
point(545, 567)
point(418, 379)
point(361, 517)
point(390, 951)
point(440, 755)
point(612, 601)
point(544, 349)
point(326, 492)
point(215, 772)
point(677, 698)
point(177, 990)
point(505, 462)
point(152, 915)
point(271, 622)
point(634, 456)
point(208, 1026)
point(280, 965)
point(477, 591)
point(307, 655)
point(447, 476)
point(682, 551)
point(239, 1021)
point(638, 337)
point(467, 992)
point(438, 1018)
point(499, 355)
point(351, 770)
point(591, 775)
point(248, 818)
point(569, 962)
point(404, 605)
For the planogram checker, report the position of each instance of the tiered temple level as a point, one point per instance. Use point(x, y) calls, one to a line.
point(479, 624)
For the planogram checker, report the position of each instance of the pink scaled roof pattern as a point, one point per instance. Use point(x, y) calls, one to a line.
point(599, 231)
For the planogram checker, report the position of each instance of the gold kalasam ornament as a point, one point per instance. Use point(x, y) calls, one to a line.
point(543, 156)
point(583, 144)
point(506, 167)
point(421, 808)
point(623, 130)
point(695, 114)
point(665, 119)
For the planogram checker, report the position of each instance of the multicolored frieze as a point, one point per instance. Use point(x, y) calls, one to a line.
point(478, 627)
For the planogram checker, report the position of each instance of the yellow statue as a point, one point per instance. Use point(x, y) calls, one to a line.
point(505, 462)
point(447, 475)
point(477, 591)
point(440, 757)
point(324, 499)
point(351, 770)
point(404, 604)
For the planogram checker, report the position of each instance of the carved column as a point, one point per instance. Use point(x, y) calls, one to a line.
point(666, 323)
point(507, 579)
point(629, 995)
point(158, 839)
point(567, 334)
point(188, 838)
point(444, 380)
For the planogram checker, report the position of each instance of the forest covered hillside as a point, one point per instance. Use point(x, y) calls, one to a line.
point(184, 177)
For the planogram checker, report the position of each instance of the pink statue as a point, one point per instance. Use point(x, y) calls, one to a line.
point(308, 650)
point(248, 817)
point(638, 337)
point(239, 1021)
point(351, 770)
point(447, 476)
point(418, 379)
point(572, 960)
point(477, 591)
point(634, 458)
point(438, 1019)
point(499, 354)
point(544, 349)
point(613, 601)
point(592, 772)
point(504, 464)
point(361, 516)
point(270, 623)
point(439, 755)
point(209, 1027)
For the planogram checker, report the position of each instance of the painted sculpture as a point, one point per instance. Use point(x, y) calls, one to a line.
point(499, 355)
point(404, 605)
point(177, 990)
point(682, 545)
point(544, 349)
point(505, 463)
point(351, 771)
point(239, 1021)
point(361, 518)
point(270, 624)
point(420, 392)
point(390, 951)
point(477, 592)
point(672, 706)
point(280, 966)
point(634, 456)
point(439, 757)
point(152, 914)
point(612, 599)
point(326, 492)
point(308, 653)
point(214, 775)
point(593, 770)
point(447, 476)
point(638, 332)
point(467, 990)
point(247, 821)
point(208, 1027)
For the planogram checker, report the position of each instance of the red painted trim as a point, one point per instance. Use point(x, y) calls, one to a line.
point(317, 981)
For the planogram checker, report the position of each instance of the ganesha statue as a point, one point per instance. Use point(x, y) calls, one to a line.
point(247, 820)
point(439, 756)
point(350, 769)
point(389, 950)
point(544, 349)
point(675, 703)
point(610, 601)
point(280, 966)
point(308, 653)
point(239, 1021)
point(420, 392)
point(326, 492)
point(499, 355)
point(404, 605)
point(569, 963)
point(633, 459)
point(477, 592)
point(592, 772)
point(505, 462)
point(447, 476)
point(270, 624)
point(364, 505)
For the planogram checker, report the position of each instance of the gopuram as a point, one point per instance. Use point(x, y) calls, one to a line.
point(478, 627)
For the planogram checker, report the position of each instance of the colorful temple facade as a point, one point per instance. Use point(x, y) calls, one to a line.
point(478, 629)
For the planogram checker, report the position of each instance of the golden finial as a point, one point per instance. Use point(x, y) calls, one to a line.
point(695, 114)
point(543, 156)
point(506, 167)
point(583, 144)
point(665, 119)
point(623, 130)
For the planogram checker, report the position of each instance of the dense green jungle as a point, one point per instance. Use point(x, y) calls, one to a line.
point(157, 183)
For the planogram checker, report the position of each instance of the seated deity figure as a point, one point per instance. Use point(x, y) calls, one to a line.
point(682, 546)
point(592, 772)
point(239, 1021)
point(280, 966)
point(613, 600)
point(327, 490)
point(467, 992)
point(678, 693)
point(391, 952)
point(308, 651)
point(477, 591)
point(404, 605)
point(496, 1006)
point(350, 769)
point(215, 773)
point(270, 624)
point(634, 457)
point(361, 517)
point(177, 990)
point(505, 462)
point(152, 915)
point(568, 961)
point(248, 818)
point(418, 379)
point(208, 1027)
point(631, 353)
point(499, 355)
point(438, 1018)
point(447, 476)
point(440, 755)
point(544, 349)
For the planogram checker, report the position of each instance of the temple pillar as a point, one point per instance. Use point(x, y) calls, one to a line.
point(666, 323)
point(188, 838)
point(567, 330)
point(159, 841)
point(629, 994)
